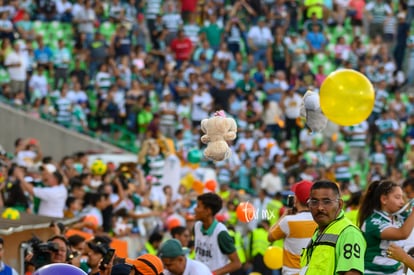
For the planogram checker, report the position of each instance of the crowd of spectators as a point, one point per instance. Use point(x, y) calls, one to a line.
point(162, 66)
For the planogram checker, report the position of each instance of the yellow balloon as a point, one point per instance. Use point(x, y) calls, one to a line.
point(347, 97)
point(188, 181)
point(273, 257)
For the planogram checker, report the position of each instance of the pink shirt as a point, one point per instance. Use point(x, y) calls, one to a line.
point(359, 6)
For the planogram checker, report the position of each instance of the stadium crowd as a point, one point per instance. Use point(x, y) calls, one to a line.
point(157, 68)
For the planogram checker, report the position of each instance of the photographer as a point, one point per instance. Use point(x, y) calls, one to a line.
point(61, 253)
point(291, 226)
point(96, 250)
point(55, 250)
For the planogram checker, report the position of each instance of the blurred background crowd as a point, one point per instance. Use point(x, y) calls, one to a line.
point(128, 71)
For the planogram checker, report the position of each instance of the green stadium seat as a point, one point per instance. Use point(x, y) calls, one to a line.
point(328, 67)
point(107, 29)
point(320, 58)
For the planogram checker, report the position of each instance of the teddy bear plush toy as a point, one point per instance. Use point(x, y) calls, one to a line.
point(217, 131)
point(311, 110)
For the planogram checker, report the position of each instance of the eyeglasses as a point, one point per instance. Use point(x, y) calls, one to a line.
point(323, 202)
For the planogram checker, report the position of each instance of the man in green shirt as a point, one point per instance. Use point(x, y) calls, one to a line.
point(337, 246)
point(213, 32)
point(144, 118)
point(245, 86)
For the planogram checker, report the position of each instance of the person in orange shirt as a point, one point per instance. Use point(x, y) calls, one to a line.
point(296, 230)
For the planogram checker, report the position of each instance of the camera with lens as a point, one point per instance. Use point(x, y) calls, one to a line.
point(42, 251)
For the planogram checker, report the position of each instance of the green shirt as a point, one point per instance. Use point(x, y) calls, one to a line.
point(143, 119)
point(245, 86)
point(375, 258)
point(213, 34)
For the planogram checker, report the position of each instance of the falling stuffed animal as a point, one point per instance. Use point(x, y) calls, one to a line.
point(218, 130)
point(311, 111)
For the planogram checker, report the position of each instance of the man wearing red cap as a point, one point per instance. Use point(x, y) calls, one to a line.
point(296, 229)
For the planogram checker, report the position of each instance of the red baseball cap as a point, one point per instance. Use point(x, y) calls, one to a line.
point(302, 190)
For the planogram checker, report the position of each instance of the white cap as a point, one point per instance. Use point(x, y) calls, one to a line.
point(50, 167)
point(412, 142)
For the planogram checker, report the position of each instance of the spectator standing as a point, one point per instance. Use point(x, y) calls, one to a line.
point(290, 104)
point(410, 65)
point(259, 39)
point(272, 182)
point(192, 29)
point(168, 112)
point(64, 108)
point(6, 27)
point(85, 18)
point(64, 10)
point(357, 137)
point(172, 21)
point(377, 12)
point(213, 32)
point(62, 59)
point(16, 68)
point(182, 48)
point(52, 197)
point(98, 52)
point(38, 86)
point(43, 55)
point(234, 31)
point(152, 11)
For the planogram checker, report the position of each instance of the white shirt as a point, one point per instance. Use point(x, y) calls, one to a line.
point(271, 183)
point(192, 267)
point(39, 82)
point(16, 73)
point(292, 106)
point(62, 7)
point(200, 102)
point(52, 200)
point(76, 96)
point(25, 158)
point(261, 37)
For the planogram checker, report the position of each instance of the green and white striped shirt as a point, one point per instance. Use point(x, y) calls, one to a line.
point(376, 260)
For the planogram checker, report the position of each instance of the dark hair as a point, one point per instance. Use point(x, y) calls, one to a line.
point(1, 241)
point(69, 201)
point(58, 176)
point(178, 230)
point(75, 239)
point(372, 198)
point(155, 237)
point(211, 201)
point(408, 182)
point(355, 199)
point(59, 237)
point(326, 184)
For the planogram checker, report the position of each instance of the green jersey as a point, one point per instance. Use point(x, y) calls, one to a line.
point(376, 260)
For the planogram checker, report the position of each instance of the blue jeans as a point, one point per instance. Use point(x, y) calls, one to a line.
point(260, 55)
